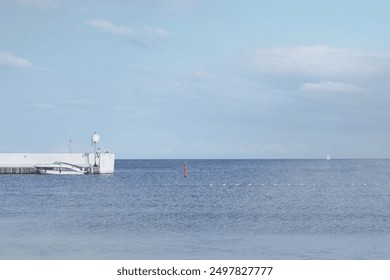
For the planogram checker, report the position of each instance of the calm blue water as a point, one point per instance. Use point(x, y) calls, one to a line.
point(224, 209)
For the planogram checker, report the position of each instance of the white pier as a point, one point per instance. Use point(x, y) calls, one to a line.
point(26, 163)
point(30, 163)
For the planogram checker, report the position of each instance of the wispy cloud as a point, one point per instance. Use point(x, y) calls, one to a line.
point(322, 61)
point(330, 86)
point(201, 74)
point(36, 3)
point(108, 26)
point(11, 60)
point(161, 32)
point(139, 36)
point(43, 106)
point(169, 5)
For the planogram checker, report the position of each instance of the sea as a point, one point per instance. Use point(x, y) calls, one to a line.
point(224, 209)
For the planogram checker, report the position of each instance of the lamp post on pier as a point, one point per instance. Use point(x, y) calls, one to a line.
point(95, 139)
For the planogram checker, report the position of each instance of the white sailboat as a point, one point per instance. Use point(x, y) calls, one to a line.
point(327, 156)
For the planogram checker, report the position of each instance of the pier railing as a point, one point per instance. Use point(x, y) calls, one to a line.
point(18, 170)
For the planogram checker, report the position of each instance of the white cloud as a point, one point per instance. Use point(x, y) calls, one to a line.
point(42, 106)
point(161, 32)
point(170, 5)
point(10, 60)
point(108, 26)
point(330, 86)
point(154, 32)
point(141, 36)
point(201, 74)
point(37, 3)
point(321, 61)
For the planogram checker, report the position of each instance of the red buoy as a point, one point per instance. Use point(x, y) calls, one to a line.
point(185, 170)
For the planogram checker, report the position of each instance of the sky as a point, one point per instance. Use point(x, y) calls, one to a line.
point(196, 79)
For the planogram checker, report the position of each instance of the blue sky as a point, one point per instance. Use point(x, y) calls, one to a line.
point(196, 78)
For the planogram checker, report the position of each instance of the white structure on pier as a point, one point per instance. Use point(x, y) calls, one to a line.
point(97, 161)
